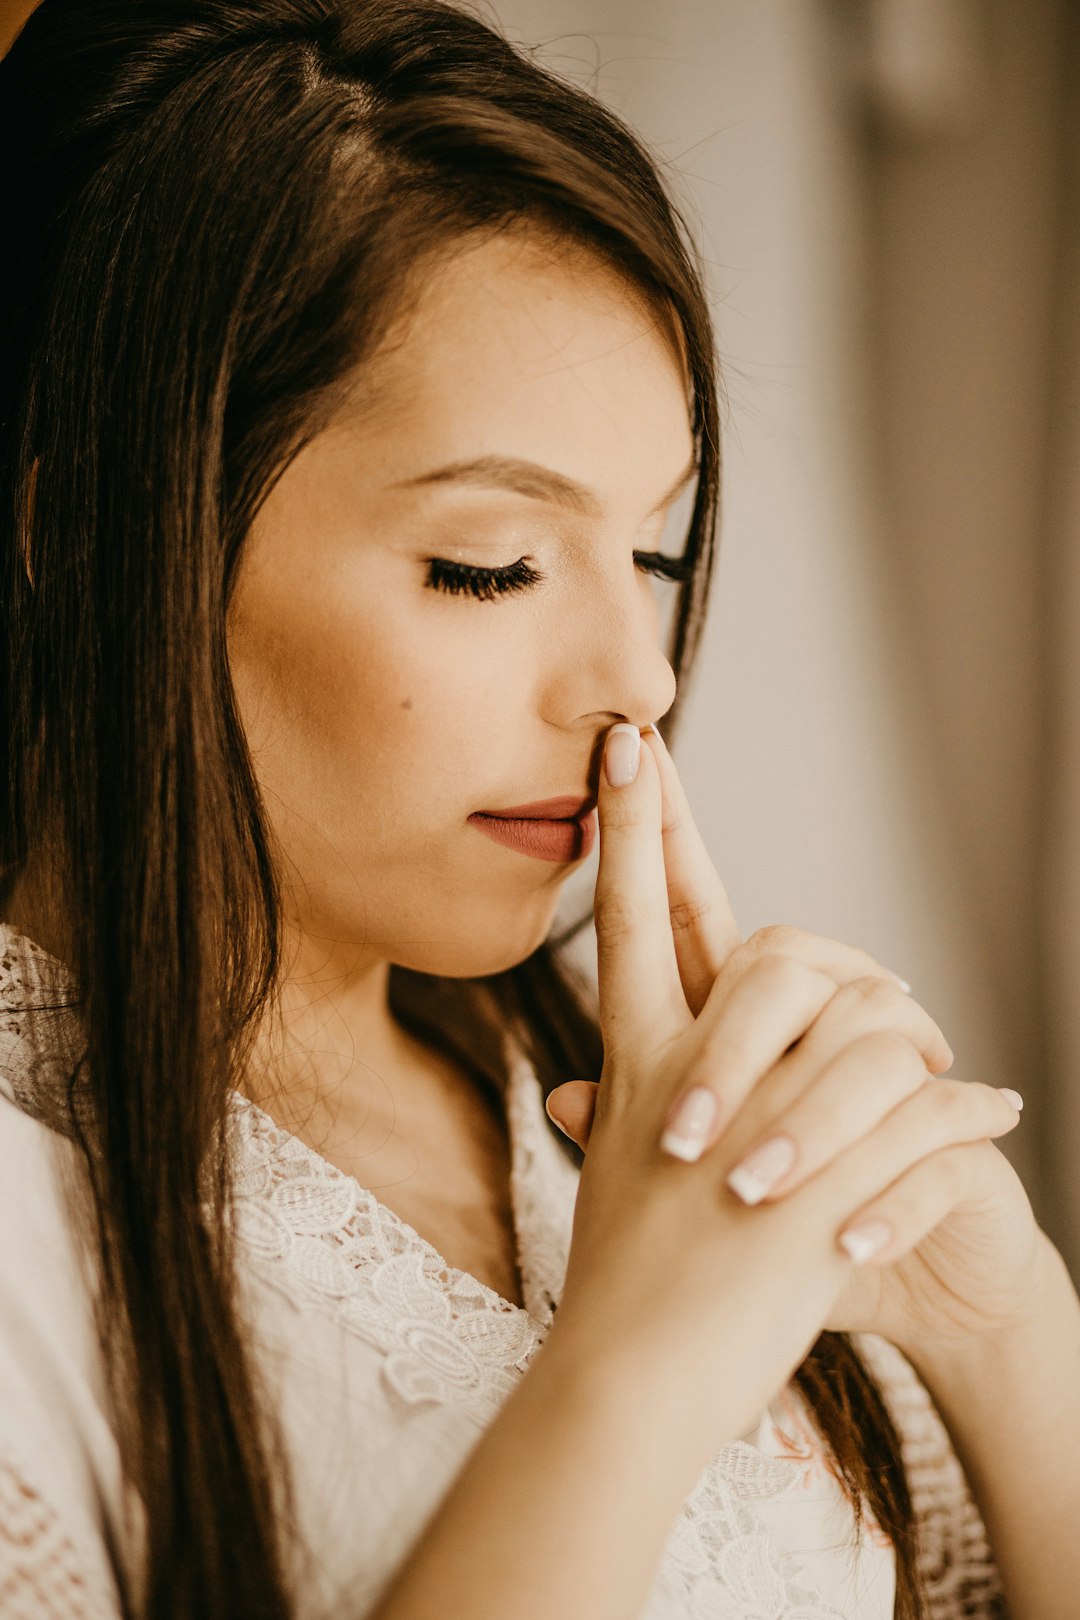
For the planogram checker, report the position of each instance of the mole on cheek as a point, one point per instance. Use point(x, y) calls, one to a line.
point(406, 703)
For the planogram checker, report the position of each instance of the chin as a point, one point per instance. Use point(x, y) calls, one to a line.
point(488, 948)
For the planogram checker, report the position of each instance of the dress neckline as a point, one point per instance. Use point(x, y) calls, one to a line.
point(456, 1277)
point(34, 969)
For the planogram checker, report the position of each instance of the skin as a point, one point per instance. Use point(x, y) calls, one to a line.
point(382, 712)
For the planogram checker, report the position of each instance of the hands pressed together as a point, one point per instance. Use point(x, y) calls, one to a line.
point(788, 1072)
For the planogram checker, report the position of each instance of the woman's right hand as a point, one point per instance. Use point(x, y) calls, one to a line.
point(709, 1306)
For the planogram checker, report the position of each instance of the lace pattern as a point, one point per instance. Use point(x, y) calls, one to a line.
point(37, 1079)
point(43, 1574)
point(726, 1562)
point(316, 1234)
point(321, 1238)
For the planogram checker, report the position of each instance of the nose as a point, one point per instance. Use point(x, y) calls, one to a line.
point(614, 667)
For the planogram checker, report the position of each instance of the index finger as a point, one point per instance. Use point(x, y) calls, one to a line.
point(640, 994)
point(702, 922)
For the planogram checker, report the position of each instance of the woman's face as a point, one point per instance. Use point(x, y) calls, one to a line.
point(382, 712)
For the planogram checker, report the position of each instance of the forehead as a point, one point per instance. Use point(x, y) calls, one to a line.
point(533, 342)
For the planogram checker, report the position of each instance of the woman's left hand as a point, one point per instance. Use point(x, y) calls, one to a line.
point(979, 1270)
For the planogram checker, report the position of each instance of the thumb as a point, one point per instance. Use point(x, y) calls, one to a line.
point(571, 1107)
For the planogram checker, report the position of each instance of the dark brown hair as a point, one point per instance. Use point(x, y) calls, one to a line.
point(212, 208)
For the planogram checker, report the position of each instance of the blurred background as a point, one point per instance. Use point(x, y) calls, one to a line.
point(882, 735)
point(881, 740)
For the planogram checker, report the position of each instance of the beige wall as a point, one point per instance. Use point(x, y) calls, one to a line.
point(963, 220)
point(1058, 888)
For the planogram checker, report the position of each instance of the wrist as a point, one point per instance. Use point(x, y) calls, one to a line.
point(606, 1375)
point(1052, 1312)
point(619, 1393)
point(663, 1386)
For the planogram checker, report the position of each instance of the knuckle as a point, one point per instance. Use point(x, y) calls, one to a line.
point(781, 938)
point(689, 914)
point(621, 815)
point(617, 919)
point(887, 1051)
point(951, 1100)
point(777, 974)
point(876, 996)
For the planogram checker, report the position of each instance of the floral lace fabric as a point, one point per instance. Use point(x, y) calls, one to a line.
point(402, 1359)
point(444, 1337)
point(43, 1570)
point(325, 1241)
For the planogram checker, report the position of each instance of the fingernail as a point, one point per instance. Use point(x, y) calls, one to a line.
point(863, 1241)
point(905, 987)
point(551, 1116)
point(622, 753)
point(1011, 1096)
point(753, 1176)
point(690, 1123)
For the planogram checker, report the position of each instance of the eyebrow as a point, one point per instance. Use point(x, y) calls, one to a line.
point(537, 482)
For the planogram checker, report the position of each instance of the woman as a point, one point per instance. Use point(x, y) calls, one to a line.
point(351, 364)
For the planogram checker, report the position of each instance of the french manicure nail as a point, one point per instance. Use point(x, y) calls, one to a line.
point(554, 1120)
point(753, 1176)
point(622, 754)
point(1011, 1096)
point(690, 1123)
point(863, 1241)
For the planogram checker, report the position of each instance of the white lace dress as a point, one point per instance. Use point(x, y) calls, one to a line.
point(387, 1364)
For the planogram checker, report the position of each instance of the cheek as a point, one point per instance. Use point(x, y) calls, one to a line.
point(327, 685)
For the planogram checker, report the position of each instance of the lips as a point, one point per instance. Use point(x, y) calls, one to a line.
point(545, 837)
point(564, 808)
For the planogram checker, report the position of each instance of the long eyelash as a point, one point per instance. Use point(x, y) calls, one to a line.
point(485, 583)
point(676, 569)
point(488, 583)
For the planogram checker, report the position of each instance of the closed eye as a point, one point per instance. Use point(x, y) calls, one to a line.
point(488, 583)
point(676, 569)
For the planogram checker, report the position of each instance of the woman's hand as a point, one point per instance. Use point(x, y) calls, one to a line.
point(978, 1259)
point(979, 1268)
point(667, 1277)
point(706, 936)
